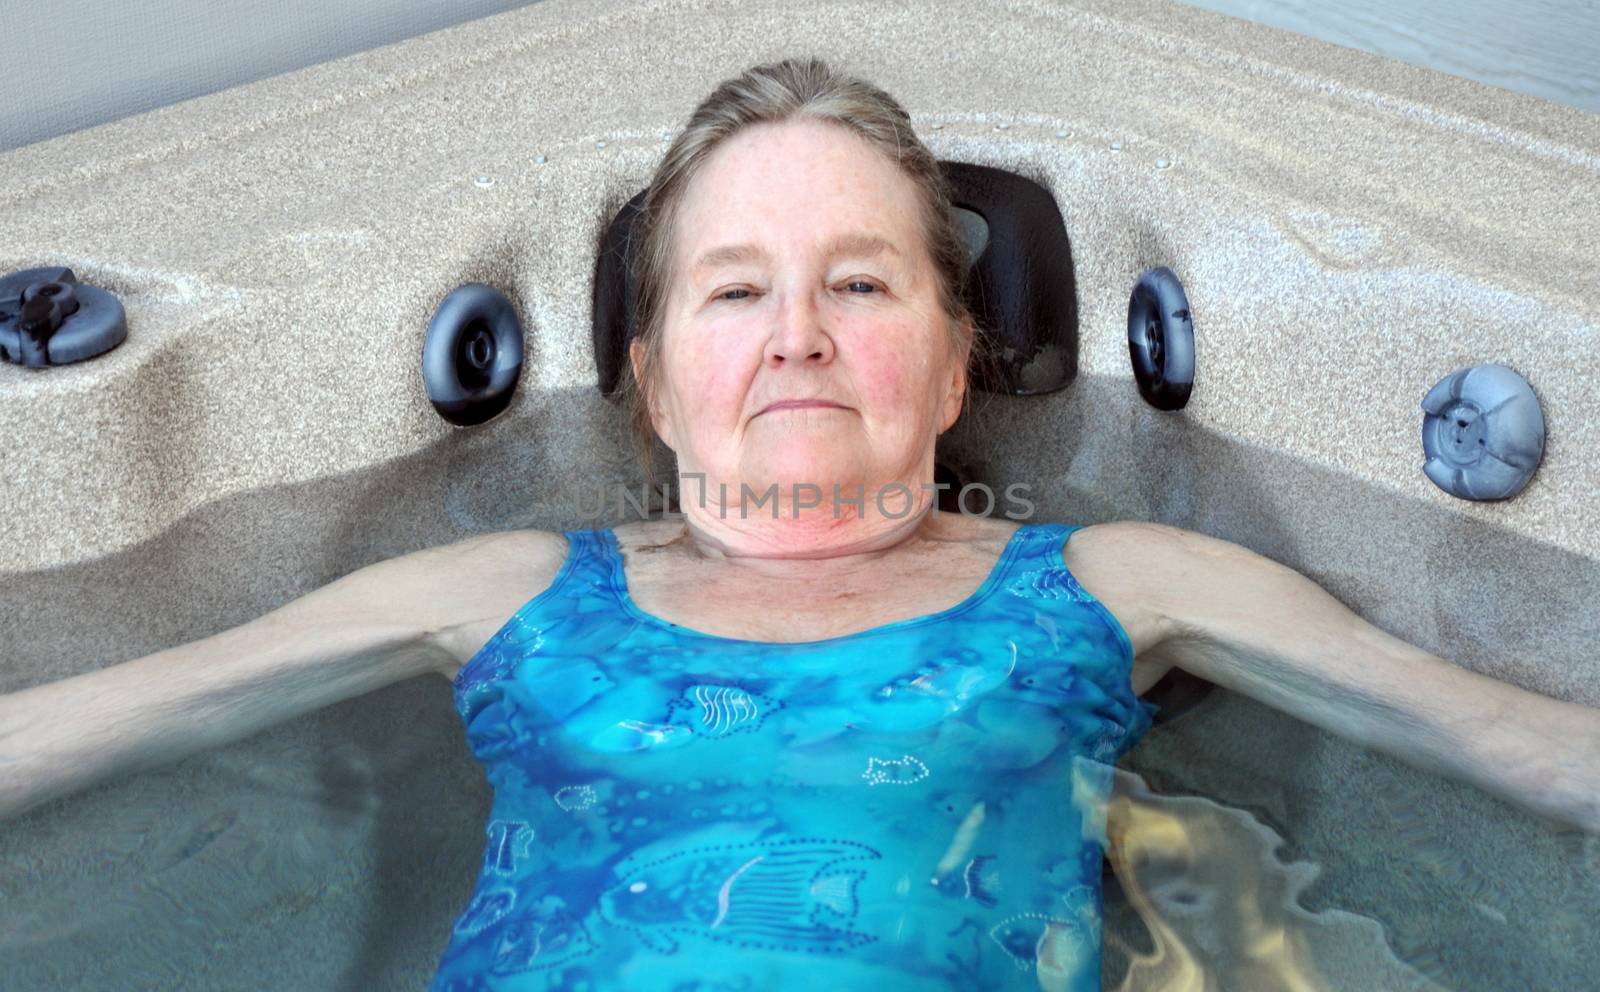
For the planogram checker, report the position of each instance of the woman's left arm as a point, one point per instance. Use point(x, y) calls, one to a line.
point(1245, 622)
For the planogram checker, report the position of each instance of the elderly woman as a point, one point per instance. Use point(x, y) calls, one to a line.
point(811, 732)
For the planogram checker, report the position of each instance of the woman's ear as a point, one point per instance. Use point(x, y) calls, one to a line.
point(958, 381)
point(647, 389)
point(636, 360)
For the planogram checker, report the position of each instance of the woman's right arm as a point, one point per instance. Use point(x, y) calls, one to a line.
point(381, 624)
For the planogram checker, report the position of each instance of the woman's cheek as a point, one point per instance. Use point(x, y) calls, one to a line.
point(884, 376)
point(717, 378)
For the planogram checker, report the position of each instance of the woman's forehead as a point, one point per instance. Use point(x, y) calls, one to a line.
point(801, 187)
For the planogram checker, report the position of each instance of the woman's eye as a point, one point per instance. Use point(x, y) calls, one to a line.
point(858, 287)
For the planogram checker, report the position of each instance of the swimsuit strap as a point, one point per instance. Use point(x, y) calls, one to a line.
point(589, 557)
point(1041, 541)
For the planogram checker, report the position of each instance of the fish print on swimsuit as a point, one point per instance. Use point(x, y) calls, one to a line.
point(720, 710)
point(790, 894)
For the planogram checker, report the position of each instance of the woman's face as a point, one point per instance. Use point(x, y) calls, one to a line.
point(801, 274)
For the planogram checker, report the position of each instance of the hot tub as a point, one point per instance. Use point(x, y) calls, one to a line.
point(1349, 231)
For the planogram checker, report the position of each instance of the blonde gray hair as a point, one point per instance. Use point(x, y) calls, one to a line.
point(769, 94)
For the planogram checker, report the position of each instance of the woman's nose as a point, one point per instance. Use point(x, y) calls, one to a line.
point(800, 334)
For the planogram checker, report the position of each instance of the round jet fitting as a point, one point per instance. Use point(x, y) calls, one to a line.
point(1161, 339)
point(472, 355)
point(1482, 433)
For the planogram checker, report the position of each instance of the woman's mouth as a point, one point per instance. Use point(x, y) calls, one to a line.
point(800, 404)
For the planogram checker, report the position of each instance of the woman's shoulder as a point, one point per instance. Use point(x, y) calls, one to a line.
point(496, 554)
point(981, 529)
point(1122, 548)
point(478, 583)
point(527, 544)
point(1118, 563)
point(995, 534)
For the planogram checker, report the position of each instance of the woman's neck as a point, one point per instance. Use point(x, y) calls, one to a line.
point(816, 544)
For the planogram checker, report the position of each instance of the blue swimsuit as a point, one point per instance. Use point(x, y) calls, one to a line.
point(919, 806)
